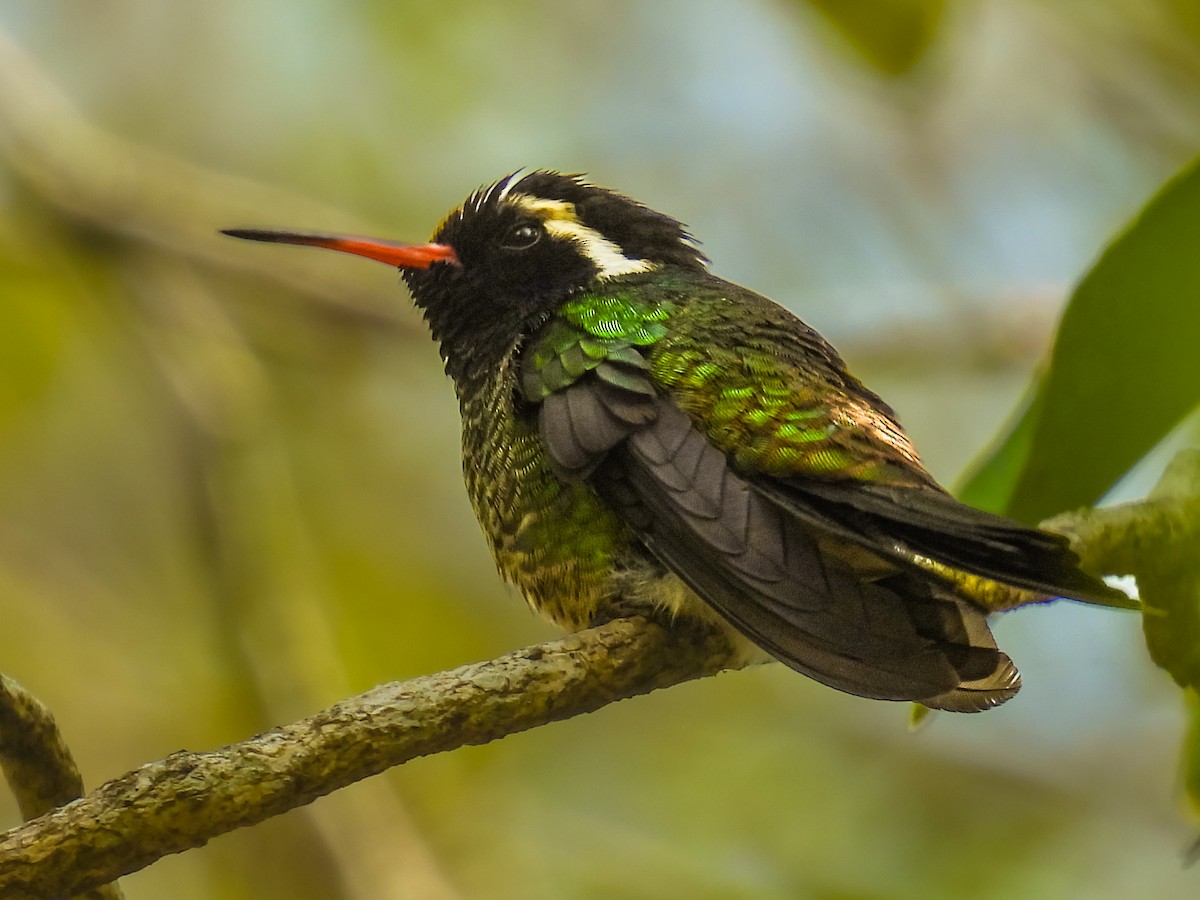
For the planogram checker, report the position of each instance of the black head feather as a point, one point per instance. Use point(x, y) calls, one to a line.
point(515, 267)
point(640, 232)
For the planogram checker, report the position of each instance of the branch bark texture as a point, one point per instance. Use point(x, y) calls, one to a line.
point(184, 800)
point(37, 763)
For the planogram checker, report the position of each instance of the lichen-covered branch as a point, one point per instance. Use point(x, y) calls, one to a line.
point(35, 759)
point(37, 763)
point(184, 800)
point(1157, 541)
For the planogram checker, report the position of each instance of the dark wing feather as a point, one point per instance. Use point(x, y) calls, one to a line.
point(763, 569)
point(797, 596)
point(776, 399)
point(579, 425)
point(896, 520)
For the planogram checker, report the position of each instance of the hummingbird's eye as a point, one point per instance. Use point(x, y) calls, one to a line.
point(522, 237)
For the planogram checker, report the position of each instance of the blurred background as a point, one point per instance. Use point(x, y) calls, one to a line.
point(229, 487)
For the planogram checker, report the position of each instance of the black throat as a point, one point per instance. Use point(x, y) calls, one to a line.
point(476, 333)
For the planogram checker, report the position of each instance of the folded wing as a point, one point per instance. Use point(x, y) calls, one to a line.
point(804, 587)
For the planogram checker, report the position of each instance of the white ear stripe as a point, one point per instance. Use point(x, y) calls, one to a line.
point(560, 220)
point(604, 254)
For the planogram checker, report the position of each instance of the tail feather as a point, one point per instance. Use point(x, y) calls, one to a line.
point(982, 693)
point(900, 521)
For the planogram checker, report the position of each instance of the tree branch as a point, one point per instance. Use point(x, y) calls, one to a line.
point(1157, 541)
point(35, 758)
point(37, 763)
point(188, 798)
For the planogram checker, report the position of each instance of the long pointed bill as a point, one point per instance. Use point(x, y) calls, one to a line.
point(403, 256)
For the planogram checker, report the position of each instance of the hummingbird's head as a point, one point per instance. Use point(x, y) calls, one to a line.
point(514, 250)
point(543, 234)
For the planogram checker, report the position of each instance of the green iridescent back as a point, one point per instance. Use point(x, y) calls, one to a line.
point(765, 389)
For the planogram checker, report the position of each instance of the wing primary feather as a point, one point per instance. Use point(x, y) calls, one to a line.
point(800, 598)
point(595, 428)
point(563, 448)
point(897, 522)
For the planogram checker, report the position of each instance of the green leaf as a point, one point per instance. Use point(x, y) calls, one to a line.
point(1172, 622)
point(1125, 368)
point(990, 485)
point(891, 35)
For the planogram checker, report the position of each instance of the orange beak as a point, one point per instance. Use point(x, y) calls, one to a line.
point(402, 256)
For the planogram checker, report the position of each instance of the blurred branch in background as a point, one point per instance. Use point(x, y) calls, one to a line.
point(36, 760)
point(126, 188)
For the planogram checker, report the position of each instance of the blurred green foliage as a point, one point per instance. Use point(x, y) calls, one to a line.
point(31, 332)
point(892, 35)
point(230, 493)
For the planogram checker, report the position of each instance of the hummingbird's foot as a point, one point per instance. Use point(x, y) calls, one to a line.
point(625, 608)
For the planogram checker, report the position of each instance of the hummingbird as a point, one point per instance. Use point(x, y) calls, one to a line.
point(640, 435)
